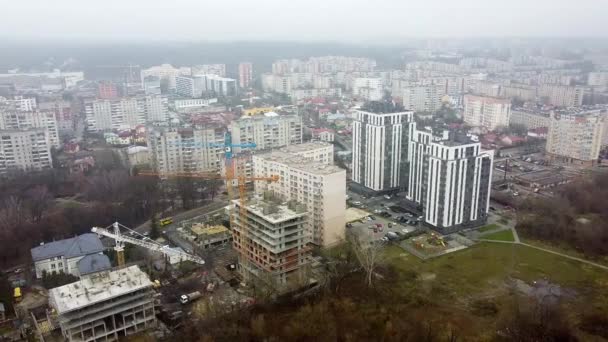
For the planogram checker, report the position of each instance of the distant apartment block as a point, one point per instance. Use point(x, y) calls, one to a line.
point(450, 179)
point(598, 79)
point(152, 85)
point(529, 118)
point(380, 149)
point(370, 89)
point(299, 95)
point(178, 149)
point(105, 306)
point(486, 111)
point(562, 95)
point(125, 113)
point(11, 119)
point(107, 90)
point(187, 104)
point(308, 177)
point(245, 75)
point(209, 69)
point(63, 114)
point(268, 130)
point(28, 149)
point(576, 138)
point(423, 98)
point(166, 72)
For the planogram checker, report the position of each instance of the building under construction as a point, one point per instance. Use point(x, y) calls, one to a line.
point(272, 241)
point(105, 306)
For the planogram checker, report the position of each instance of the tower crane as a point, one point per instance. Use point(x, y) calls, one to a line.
point(113, 232)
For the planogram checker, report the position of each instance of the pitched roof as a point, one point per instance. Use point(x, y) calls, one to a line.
point(93, 263)
point(70, 248)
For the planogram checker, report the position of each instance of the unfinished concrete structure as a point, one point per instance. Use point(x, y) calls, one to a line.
point(105, 306)
point(272, 240)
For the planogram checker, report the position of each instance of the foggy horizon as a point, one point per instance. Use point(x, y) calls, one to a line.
point(357, 21)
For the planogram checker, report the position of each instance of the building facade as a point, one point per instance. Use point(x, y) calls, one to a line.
point(308, 177)
point(28, 149)
point(486, 111)
point(449, 180)
point(245, 75)
point(195, 149)
point(380, 149)
point(268, 130)
point(125, 113)
point(575, 138)
point(529, 118)
point(562, 95)
point(370, 89)
point(423, 98)
point(35, 119)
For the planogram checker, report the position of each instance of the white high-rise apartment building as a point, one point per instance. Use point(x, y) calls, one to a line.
point(370, 89)
point(220, 86)
point(24, 104)
point(598, 79)
point(245, 75)
point(125, 113)
point(380, 143)
point(450, 179)
point(576, 138)
point(486, 111)
point(423, 98)
point(308, 176)
point(267, 130)
point(190, 86)
point(165, 72)
point(210, 69)
point(562, 95)
point(176, 149)
point(22, 120)
point(28, 149)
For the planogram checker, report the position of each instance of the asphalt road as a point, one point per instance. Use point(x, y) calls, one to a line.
point(218, 204)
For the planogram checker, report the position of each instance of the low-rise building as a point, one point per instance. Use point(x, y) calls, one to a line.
point(64, 255)
point(105, 306)
point(210, 236)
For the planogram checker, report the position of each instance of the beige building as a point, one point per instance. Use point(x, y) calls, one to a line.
point(562, 95)
point(28, 149)
point(308, 178)
point(193, 149)
point(576, 138)
point(125, 113)
point(486, 111)
point(268, 130)
point(529, 118)
point(423, 98)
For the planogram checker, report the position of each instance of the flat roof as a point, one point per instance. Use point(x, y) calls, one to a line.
point(279, 212)
point(98, 288)
point(299, 163)
point(203, 229)
point(305, 147)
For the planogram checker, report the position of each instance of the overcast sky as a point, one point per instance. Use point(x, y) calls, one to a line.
point(310, 20)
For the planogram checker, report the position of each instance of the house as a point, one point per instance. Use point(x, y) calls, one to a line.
point(64, 255)
point(93, 263)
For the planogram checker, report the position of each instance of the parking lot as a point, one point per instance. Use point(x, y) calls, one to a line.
point(376, 227)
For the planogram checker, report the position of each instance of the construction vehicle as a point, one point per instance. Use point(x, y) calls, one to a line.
point(120, 240)
point(165, 221)
point(187, 298)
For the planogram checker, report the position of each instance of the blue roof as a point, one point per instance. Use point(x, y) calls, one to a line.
point(93, 263)
point(69, 248)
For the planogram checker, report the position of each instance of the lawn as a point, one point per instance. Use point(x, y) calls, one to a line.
point(503, 235)
point(486, 266)
point(564, 249)
point(488, 227)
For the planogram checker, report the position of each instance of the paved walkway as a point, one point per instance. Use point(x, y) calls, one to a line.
point(518, 242)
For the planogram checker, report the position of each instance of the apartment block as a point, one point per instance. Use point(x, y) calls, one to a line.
point(178, 149)
point(576, 137)
point(272, 241)
point(209, 69)
point(562, 95)
point(380, 149)
point(166, 72)
point(63, 114)
point(450, 178)
point(370, 89)
point(308, 177)
point(190, 86)
point(245, 75)
point(125, 113)
point(107, 90)
point(529, 118)
point(28, 149)
point(598, 79)
point(268, 130)
point(423, 98)
point(299, 95)
point(12, 119)
point(486, 111)
point(105, 306)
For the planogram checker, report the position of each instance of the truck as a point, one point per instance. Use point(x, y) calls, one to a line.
point(187, 298)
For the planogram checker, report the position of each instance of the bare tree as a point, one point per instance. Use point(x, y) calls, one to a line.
point(38, 200)
point(368, 253)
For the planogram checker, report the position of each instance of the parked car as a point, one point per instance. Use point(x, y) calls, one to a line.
point(372, 217)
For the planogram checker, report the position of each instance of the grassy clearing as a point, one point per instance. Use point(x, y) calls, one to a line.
point(485, 266)
point(564, 249)
point(503, 235)
point(488, 227)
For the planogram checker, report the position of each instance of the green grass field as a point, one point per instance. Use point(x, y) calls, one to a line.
point(488, 227)
point(503, 235)
point(486, 266)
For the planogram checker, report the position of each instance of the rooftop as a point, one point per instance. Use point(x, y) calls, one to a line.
point(305, 147)
point(98, 288)
point(84, 244)
point(93, 263)
point(273, 212)
point(202, 229)
point(299, 163)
